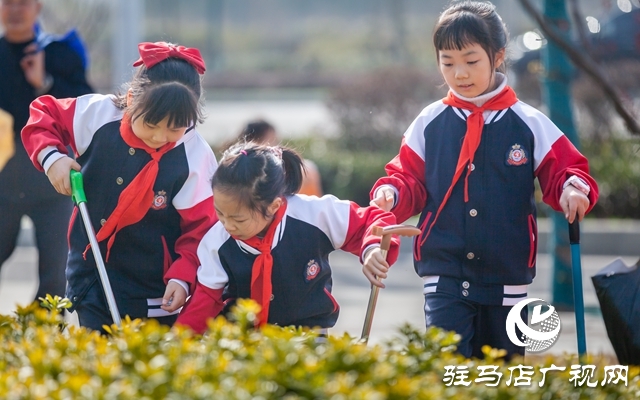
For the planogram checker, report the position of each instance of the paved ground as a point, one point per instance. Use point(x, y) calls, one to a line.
point(399, 303)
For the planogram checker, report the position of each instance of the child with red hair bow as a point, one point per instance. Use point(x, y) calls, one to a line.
point(147, 179)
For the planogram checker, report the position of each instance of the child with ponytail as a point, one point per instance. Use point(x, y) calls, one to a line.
point(273, 246)
point(147, 179)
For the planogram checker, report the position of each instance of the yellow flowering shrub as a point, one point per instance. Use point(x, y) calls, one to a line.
point(42, 358)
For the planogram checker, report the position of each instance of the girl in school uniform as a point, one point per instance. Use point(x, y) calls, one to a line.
point(467, 165)
point(147, 180)
point(273, 245)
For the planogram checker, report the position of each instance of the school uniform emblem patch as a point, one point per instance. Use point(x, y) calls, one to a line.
point(517, 155)
point(312, 270)
point(159, 200)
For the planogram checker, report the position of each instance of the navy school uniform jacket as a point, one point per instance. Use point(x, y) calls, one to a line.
point(310, 230)
point(163, 244)
point(484, 249)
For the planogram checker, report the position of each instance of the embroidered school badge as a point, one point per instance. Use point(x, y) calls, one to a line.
point(312, 270)
point(517, 155)
point(159, 200)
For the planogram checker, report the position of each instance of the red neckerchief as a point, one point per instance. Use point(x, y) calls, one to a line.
point(261, 288)
point(475, 122)
point(153, 53)
point(136, 199)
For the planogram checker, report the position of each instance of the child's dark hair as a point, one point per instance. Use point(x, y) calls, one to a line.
point(257, 174)
point(171, 88)
point(255, 131)
point(471, 22)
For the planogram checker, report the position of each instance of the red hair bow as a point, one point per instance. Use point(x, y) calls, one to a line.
point(153, 53)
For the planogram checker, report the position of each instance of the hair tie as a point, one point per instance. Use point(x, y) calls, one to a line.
point(153, 53)
point(243, 152)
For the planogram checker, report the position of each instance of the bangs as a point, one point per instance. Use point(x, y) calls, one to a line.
point(456, 32)
point(170, 100)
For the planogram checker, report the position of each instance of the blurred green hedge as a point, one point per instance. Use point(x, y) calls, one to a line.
point(41, 358)
point(614, 163)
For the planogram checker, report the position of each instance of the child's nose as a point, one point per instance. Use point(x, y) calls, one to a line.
point(461, 72)
point(229, 227)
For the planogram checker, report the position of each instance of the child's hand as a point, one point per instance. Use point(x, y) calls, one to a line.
point(384, 199)
point(573, 201)
point(174, 297)
point(58, 174)
point(375, 266)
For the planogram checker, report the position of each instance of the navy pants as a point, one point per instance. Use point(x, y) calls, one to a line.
point(477, 324)
point(93, 310)
point(51, 223)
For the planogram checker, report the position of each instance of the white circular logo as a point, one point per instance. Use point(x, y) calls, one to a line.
point(542, 330)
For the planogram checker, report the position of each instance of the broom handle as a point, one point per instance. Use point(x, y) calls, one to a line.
point(385, 243)
point(576, 269)
point(78, 196)
point(373, 296)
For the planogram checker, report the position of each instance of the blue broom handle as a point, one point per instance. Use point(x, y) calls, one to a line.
point(576, 269)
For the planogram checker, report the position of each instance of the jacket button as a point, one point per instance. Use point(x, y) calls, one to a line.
point(272, 296)
point(132, 151)
point(465, 293)
point(119, 181)
point(473, 212)
point(470, 255)
point(472, 166)
point(75, 298)
point(103, 221)
point(465, 285)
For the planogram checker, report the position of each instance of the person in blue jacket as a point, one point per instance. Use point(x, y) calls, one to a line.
point(34, 63)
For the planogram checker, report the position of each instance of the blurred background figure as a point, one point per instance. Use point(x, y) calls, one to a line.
point(33, 63)
point(261, 131)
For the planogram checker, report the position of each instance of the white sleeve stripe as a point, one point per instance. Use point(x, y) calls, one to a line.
point(545, 133)
point(327, 213)
point(211, 273)
point(91, 113)
point(46, 152)
point(414, 135)
point(49, 155)
point(202, 164)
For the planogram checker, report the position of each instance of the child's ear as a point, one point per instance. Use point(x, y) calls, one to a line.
point(499, 59)
point(275, 205)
